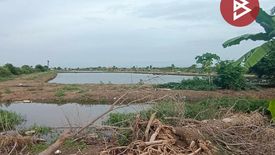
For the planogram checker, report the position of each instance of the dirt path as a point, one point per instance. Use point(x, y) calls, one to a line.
point(35, 88)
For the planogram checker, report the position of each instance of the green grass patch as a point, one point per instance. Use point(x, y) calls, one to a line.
point(120, 119)
point(41, 130)
point(6, 78)
point(190, 84)
point(71, 144)
point(68, 88)
point(37, 148)
point(8, 120)
point(71, 88)
point(216, 108)
point(59, 93)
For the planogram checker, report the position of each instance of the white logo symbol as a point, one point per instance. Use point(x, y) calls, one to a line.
point(237, 5)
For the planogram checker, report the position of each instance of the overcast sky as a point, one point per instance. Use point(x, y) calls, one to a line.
point(82, 33)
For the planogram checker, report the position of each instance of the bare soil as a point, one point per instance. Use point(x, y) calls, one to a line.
point(35, 87)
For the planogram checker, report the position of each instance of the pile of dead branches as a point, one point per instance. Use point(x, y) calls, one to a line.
point(241, 134)
point(238, 134)
point(15, 143)
point(152, 138)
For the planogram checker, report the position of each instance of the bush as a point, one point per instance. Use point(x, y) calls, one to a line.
point(4, 72)
point(25, 69)
point(12, 69)
point(41, 68)
point(230, 76)
point(191, 84)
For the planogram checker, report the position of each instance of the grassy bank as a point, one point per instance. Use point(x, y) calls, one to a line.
point(8, 120)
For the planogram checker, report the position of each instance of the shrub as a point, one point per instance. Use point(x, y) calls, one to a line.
point(191, 84)
point(25, 69)
point(230, 76)
point(12, 69)
point(4, 72)
point(41, 68)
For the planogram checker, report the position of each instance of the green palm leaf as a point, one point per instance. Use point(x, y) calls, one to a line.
point(252, 57)
point(266, 21)
point(254, 37)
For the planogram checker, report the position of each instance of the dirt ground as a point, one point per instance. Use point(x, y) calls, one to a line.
point(35, 87)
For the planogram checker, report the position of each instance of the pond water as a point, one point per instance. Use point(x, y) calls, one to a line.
point(53, 115)
point(115, 78)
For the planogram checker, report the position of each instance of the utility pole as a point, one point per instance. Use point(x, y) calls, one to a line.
point(48, 63)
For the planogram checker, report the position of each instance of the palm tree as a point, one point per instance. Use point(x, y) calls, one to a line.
point(255, 55)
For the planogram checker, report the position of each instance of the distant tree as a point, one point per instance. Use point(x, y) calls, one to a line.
point(173, 67)
point(207, 60)
point(4, 72)
point(40, 68)
point(192, 68)
point(25, 69)
point(46, 68)
point(12, 69)
point(230, 76)
point(114, 68)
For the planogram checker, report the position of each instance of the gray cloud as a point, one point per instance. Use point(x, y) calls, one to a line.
point(121, 32)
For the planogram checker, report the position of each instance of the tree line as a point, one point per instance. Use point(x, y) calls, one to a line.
point(8, 69)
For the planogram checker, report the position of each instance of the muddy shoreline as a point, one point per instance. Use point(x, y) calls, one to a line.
point(35, 88)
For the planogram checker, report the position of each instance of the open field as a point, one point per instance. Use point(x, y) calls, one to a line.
point(34, 87)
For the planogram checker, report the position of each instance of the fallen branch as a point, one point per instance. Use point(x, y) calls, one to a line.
point(149, 126)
